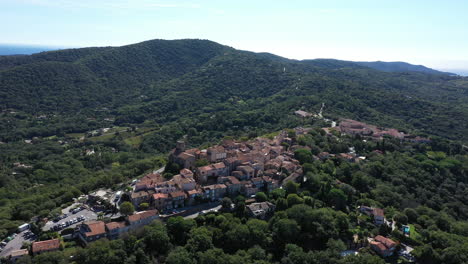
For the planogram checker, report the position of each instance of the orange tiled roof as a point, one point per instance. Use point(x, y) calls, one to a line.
point(96, 228)
point(46, 245)
point(115, 225)
point(142, 215)
point(157, 196)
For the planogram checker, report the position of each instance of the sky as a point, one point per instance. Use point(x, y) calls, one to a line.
point(430, 32)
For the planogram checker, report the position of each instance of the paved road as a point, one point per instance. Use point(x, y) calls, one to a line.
point(15, 244)
point(194, 211)
point(88, 214)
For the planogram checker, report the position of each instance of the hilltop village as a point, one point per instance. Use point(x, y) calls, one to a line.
point(229, 169)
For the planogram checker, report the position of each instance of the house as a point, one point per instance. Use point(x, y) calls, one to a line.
point(302, 114)
point(185, 183)
point(376, 213)
point(116, 229)
point(273, 164)
point(214, 192)
point(181, 157)
point(139, 197)
point(383, 246)
point(178, 198)
point(212, 170)
point(160, 200)
point(148, 181)
point(16, 254)
point(142, 218)
point(231, 163)
point(288, 167)
point(270, 184)
point(258, 182)
point(193, 195)
point(186, 173)
point(379, 216)
point(247, 172)
point(233, 185)
point(165, 187)
point(216, 153)
point(260, 210)
point(185, 160)
point(91, 231)
point(45, 246)
point(248, 189)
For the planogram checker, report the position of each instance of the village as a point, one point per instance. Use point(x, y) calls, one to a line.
point(229, 169)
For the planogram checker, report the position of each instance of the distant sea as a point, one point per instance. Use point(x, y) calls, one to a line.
point(10, 49)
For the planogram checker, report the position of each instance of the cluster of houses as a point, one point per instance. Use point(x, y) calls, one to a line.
point(232, 168)
point(382, 245)
point(353, 127)
point(91, 231)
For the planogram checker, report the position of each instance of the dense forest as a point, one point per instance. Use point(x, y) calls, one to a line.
point(130, 104)
point(417, 184)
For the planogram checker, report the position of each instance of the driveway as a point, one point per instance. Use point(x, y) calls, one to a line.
point(15, 244)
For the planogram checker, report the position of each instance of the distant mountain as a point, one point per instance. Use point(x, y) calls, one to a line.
point(10, 49)
point(399, 66)
point(202, 84)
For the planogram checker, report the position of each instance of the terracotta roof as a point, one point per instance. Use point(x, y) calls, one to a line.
point(186, 172)
point(142, 215)
point(177, 194)
point(379, 245)
point(185, 155)
point(46, 245)
point(192, 192)
point(233, 180)
point(205, 168)
point(96, 228)
point(378, 212)
point(157, 196)
point(115, 225)
point(385, 241)
point(219, 165)
point(139, 194)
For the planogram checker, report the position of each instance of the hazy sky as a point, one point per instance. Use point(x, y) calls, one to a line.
point(429, 32)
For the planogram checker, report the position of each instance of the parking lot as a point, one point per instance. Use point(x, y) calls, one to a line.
point(16, 243)
point(70, 219)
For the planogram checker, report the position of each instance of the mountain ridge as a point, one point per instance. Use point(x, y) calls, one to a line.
point(168, 80)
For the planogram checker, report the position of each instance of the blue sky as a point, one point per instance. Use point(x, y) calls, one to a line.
point(433, 33)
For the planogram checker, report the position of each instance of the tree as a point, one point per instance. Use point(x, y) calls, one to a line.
point(179, 228)
point(260, 197)
point(156, 238)
point(127, 208)
point(337, 198)
point(291, 187)
point(401, 218)
point(200, 239)
point(278, 193)
point(226, 203)
point(201, 162)
point(281, 204)
point(285, 231)
point(144, 206)
point(303, 156)
point(294, 199)
point(180, 256)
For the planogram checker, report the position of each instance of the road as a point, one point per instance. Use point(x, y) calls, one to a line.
point(194, 211)
point(88, 214)
point(15, 244)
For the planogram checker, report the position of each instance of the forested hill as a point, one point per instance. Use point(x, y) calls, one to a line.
point(399, 66)
point(167, 82)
